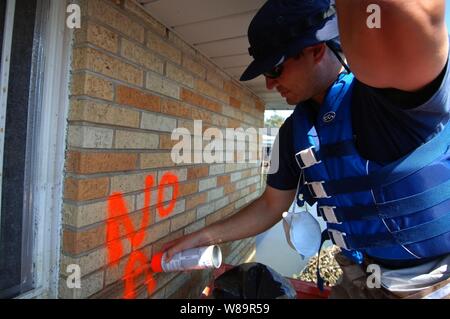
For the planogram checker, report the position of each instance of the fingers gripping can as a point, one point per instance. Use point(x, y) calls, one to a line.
point(191, 259)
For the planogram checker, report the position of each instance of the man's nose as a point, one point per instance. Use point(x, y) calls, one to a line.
point(270, 83)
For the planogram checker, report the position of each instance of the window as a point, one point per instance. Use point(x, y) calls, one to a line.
point(32, 118)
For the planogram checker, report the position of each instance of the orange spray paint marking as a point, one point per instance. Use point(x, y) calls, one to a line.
point(118, 215)
point(170, 180)
point(137, 264)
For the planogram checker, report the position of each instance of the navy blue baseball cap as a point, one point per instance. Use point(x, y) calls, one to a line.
point(282, 28)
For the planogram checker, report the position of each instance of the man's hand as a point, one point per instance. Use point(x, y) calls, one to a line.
point(256, 218)
point(407, 52)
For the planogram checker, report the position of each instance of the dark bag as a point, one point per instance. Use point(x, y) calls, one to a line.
point(253, 281)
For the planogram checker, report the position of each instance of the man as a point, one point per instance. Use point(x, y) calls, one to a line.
point(380, 173)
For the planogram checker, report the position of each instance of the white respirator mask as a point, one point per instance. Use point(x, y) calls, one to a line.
point(302, 232)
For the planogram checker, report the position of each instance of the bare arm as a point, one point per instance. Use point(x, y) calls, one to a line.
point(256, 218)
point(409, 50)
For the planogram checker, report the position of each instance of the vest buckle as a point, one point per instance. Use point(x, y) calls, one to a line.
point(307, 158)
point(328, 214)
point(338, 238)
point(317, 190)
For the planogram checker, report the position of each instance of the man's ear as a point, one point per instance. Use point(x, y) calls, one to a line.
point(317, 52)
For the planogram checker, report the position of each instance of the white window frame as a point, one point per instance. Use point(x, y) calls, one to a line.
point(51, 145)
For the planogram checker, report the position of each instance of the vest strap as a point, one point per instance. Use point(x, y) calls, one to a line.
point(434, 228)
point(392, 209)
point(389, 174)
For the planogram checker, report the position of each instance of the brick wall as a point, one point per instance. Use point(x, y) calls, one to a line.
point(133, 82)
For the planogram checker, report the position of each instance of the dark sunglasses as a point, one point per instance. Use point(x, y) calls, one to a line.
point(275, 72)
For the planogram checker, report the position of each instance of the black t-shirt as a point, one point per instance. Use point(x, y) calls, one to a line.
point(387, 124)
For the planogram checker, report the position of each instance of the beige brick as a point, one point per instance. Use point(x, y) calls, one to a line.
point(88, 263)
point(207, 184)
point(116, 271)
point(156, 160)
point(187, 124)
point(78, 242)
point(180, 207)
point(130, 182)
point(142, 56)
point(90, 137)
point(89, 285)
point(180, 43)
point(136, 140)
point(194, 227)
point(205, 210)
point(196, 200)
point(162, 86)
point(91, 59)
point(175, 108)
point(102, 113)
point(182, 220)
point(215, 194)
point(181, 174)
point(138, 10)
point(98, 36)
point(158, 122)
point(156, 232)
point(220, 121)
point(87, 84)
point(207, 89)
point(161, 47)
point(107, 14)
point(194, 67)
point(178, 75)
point(84, 215)
point(217, 169)
point(215, 79)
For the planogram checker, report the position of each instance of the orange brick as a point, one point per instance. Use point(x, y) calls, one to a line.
point(234, 123)
point(246, 174)
point(76, 242)
point(229, 188)
point(137, 98)
point(86, 189)
point(90, 163)
point(222, 180)
point(176, 108)
point(197, 172)
point(196, 200)
point(166, 143)
point(260, 105)
point(198, 100)
point(235, 103)
point(188, 188)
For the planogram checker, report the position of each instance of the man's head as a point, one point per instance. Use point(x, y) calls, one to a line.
point(287, 42)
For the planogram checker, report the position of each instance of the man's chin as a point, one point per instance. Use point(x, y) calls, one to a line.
point(292, 101)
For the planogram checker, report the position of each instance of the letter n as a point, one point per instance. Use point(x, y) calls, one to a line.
point(118, 215)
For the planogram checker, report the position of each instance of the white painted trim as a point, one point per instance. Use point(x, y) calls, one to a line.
point(4, 81)
point(48, 186)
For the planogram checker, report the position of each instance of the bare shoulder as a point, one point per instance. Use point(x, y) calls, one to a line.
point(400, 44)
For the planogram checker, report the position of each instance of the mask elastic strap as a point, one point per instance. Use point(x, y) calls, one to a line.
point(335, 50)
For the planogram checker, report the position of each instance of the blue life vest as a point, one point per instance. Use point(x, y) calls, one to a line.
point(399, 211)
